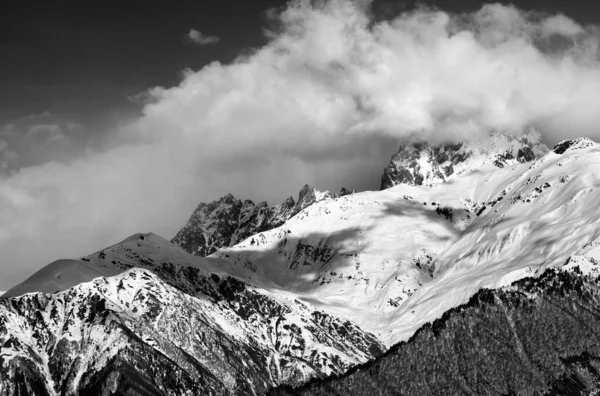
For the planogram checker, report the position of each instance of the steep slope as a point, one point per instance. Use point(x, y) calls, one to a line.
point(537, 337)
point(179, 322)
point(394, 260)
point(229, 220)
point(422, 164)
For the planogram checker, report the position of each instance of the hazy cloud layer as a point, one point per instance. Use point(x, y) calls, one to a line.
point(200, 38)
point(325, 102)
point(36, 139)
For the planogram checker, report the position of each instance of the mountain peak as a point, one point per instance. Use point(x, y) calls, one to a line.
point(573, 144)
point(420, 163)
point(344, 191)
point(306, 190)
point(309, 195)
point(229, 221)
point(229, 199)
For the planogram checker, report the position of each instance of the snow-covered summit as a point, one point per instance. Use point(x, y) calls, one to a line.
point(393, 260)
point(63, 274)
point(229, 220)
point(423, 164)
point(573, 144)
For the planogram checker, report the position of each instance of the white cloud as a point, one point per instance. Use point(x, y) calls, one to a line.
point(201, 39)
point(561, 25)
point(324, 102)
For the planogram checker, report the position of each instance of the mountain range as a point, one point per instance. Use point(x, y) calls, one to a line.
point(474, 270)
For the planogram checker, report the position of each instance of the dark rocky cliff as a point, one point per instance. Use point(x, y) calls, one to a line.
point(229, 220)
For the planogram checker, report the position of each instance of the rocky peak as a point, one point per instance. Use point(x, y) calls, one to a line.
point(229, 199)
point(422, 164)
point(306, 195)
point(344, 191)
point(288, 203)
point(573, 144)
point(309, 195)
point(228, 221)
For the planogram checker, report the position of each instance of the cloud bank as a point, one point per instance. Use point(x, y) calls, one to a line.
point(326, 102)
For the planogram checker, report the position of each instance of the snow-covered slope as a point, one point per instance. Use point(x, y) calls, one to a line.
point(535, 337)
point(396, 259)
point(181, 322)
point(229, 220)
point(544, 215)
point(422, 164)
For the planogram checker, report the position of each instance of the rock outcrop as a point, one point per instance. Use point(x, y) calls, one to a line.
point(229, 221)
point(421, 164)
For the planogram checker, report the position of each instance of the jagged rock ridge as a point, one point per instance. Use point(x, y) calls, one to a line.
point(229, 221)
point(421, 164)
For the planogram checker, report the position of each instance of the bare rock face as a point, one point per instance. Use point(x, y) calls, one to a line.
point(420, 164)
point(573, 144)
point(229, 221)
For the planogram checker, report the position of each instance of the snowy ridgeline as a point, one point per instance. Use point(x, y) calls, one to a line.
point(423, 164)
point(333, 285)
point(396, 259)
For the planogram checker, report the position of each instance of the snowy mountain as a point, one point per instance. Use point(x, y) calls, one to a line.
point(420, 164)
point(333, 285)
point(178, 323)
point(229, 220)
point(396, 259)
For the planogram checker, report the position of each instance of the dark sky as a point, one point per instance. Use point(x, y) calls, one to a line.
point(82, 60)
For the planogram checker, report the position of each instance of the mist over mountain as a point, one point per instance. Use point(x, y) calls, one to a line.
point(326, 101)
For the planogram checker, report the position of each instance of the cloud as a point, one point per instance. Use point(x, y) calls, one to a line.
point(560, 25)
point(200, 38)
point(49, 132)
point(326, 102)
point(39, 138)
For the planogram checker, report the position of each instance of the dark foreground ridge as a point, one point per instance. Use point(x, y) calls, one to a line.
point(539, 337)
